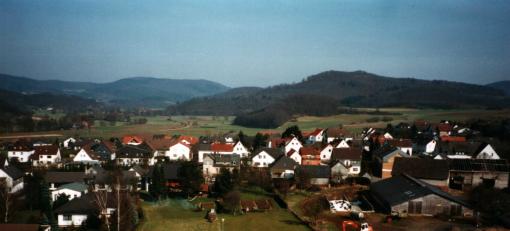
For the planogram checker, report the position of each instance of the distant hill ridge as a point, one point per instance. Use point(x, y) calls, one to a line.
point(135, 91)
point(357, 89)
point(501, 85)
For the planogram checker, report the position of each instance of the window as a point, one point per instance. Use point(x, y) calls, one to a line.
point(67, 217)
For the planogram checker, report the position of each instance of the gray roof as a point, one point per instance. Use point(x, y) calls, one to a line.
point(386, 152)
point(403, 188)
point(274, 152)
point(421, 168)
point(284, 163)
point(79, 187)
point(13, 172)
point(65, 177)
point(479, 165)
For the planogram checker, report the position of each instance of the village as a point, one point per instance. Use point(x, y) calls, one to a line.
point(442, 176)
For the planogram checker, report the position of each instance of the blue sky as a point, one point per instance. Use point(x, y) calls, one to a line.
point(254, 43)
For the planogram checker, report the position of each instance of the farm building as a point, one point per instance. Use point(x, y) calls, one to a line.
point(406, 195)
point(468, 173)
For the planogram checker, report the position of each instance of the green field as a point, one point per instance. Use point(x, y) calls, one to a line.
point(210, 125)
point(179, 214)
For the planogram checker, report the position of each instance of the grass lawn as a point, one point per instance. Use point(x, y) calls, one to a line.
point(210, 125)
point(178, 214)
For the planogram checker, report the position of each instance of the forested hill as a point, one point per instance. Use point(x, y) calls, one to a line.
point(357, 89)
point(128, 92)
point(502, 85)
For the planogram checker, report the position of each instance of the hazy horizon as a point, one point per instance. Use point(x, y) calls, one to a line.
point(259, 43)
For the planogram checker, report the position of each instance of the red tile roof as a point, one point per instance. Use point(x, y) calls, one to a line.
point(129, 139)
point(219, 147)
point(316, 132)
point(44, 150)
point(401, 143)
point(191, 139)
point(453, 139)
point(309, 151)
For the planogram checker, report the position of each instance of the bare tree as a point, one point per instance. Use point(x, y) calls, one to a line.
point(102, 201)
point(7, 201)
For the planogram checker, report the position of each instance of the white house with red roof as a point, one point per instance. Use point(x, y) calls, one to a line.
point(326, 153)
point(20, 150)
point(316, 136)
point(293, 154)
point(179, 151)
point(221, 148)
point(46, 155)
point(293, 143)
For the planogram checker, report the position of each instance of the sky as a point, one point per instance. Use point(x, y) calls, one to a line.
point(254, 43)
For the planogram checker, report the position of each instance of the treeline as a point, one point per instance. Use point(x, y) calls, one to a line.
point(282, 111)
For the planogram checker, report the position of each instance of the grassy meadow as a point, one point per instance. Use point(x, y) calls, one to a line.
point(210, 125)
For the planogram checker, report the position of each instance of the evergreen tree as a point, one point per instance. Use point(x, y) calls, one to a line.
point(191, 177)
point(259, 141)
point(61, 200)
point(293, 131)
point(158, 186)
point(223, 183)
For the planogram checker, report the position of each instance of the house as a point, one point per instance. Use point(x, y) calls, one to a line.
point(383, 159)
point(293, 143)
point(189, 140)
point(342, 144)
point(67, 143)
point(317, 174)
point(129, 155)
point(73, 190)
point(316, 136)
point(337, 133)
point(265, 157)
point(310, 156)
point(241, 150)
point(222, 148)
point(431, 171)
point(132, 140)
point(283, 168)
point(179, 151)
point(406, 195)
point(326, 153)
point(444, 129)
point(346, 162)
point(105, 181)
point(142, 175)
point(430, 146)
point(86, 156)
point(214, 162)
point(467, 150)
point(78, 210)
point(465, 174)
point(57, 179)
point(104, 150)
point(12, 178)
point(46, 155)
point(405, 145)
point(485, 151)
point(21, 151)
point(294, 155)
